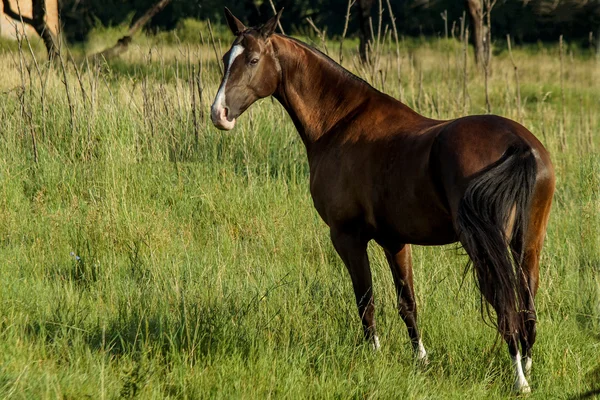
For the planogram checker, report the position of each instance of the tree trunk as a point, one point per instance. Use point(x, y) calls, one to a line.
point(365, 35)
point(476, 13)
point(38, 23)
point(42, 29)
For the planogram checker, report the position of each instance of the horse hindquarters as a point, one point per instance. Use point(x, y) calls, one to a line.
point(493, 215)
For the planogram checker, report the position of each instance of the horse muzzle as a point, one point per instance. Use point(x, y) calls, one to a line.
point(219, 117)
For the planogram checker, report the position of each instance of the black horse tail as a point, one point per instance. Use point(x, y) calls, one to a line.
point(496, 201)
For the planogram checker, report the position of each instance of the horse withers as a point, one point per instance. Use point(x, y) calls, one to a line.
point(380, 171)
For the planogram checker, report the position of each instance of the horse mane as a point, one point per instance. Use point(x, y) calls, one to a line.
point(327, 60)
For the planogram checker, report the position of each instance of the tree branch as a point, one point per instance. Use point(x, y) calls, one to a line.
point(15, 15)
point(148, 15)
point(123, 43)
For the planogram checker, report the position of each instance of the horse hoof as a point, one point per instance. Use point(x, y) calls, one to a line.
point(421, 354)
point(423, 361)
point(521, 387)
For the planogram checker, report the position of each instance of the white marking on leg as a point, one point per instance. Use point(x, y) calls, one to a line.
point(521, 385)
point(421, 353)
point(376, 344)
point(218, 106)
point(527, 366)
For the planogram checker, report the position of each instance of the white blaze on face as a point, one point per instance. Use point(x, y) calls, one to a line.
point(218, 112)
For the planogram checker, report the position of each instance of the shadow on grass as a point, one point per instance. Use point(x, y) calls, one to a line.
point(193, 331)
point(593, 378)
point(137, 338)
point(588, 395)
point(587, 317)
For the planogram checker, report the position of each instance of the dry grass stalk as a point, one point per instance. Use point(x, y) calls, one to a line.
point(350, 4)
point(192, 83)
point(563, 138)
point(370, 50)
point(43, 79)
point(398, 60)
point(378, 39)
point(321, 34)
point(359, 67)
point(68, 92)
point(465, 65)
point(200, 88)
point(590, 130)
point(487, 56)
point(275, 13)
point(518, 88)
point(26, 110)
point(214, 46)
point(582, 127)
point(411, 75)
point(420, 94)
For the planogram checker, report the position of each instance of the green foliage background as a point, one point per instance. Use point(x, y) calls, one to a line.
point(526, 21)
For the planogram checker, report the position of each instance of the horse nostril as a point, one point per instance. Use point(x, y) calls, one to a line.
point(226, 111)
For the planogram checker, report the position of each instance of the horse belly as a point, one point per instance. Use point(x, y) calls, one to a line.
point(422, 223)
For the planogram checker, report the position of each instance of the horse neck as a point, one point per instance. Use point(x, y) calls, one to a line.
point(315, 91)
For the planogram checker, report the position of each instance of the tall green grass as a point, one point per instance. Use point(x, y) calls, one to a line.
point(146, 254)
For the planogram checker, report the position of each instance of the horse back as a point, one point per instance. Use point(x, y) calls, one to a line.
point(376, 172)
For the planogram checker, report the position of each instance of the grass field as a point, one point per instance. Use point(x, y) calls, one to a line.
point(146, 254)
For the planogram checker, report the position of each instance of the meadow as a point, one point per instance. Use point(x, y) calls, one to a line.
point(144, 254)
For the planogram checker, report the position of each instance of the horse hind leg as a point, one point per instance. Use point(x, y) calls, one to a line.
point(512, 188)
point(526, 251)
point(492, 265)
point(529, 251)
point(528, 284)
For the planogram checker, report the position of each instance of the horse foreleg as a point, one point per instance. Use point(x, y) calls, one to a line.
point(401, 267)
point(352, 248)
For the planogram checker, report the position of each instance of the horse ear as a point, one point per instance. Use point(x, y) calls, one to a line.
point(234, 24)
point(269, 27)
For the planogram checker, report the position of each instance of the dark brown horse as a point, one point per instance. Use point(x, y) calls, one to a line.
point(379, 170)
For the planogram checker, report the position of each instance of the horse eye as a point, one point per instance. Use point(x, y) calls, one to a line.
point(254, 61)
